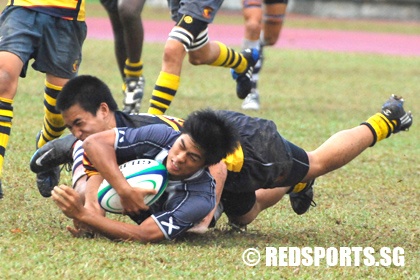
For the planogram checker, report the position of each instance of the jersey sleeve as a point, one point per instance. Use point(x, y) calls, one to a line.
point(187, 204)
point(90, 170)
point(143, 142)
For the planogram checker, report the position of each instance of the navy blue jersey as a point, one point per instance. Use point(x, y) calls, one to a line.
point(185, 202)
point(151, 141)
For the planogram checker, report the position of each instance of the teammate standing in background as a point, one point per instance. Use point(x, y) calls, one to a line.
point(263, 24)
point(190, 35)
point(127, 27)
point(52, 33)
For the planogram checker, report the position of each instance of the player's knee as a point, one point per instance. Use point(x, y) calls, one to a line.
point(270, 40)
point(195, 60)
point(8, 84)
point(254, 28)
point(244, 219)
point(129, 10)
point(173, 54)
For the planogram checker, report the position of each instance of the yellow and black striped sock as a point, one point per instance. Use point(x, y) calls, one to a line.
point(132, 70)
point(164, 92)
point(6, 116)
point(53, 121)
point(231, 59)
point(380, 126)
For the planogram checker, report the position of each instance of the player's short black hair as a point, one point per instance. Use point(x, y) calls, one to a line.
point(86, 91)
point(213, 133)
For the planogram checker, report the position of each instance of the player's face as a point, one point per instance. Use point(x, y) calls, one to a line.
point(82, 123)
point(184, 158)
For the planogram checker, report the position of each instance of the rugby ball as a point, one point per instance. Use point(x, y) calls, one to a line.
point(140, 173)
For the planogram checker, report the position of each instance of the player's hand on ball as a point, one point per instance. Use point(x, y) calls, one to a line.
point(132, 201)
point(146, 181)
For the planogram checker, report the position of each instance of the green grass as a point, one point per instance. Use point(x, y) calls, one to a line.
point(374, 201)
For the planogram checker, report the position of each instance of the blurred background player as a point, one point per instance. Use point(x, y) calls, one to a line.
point(54, 40)
point(127, 27)
point(190, 35)
point(263, 24)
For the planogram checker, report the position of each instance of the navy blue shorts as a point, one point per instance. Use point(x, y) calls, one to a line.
point(54, 43)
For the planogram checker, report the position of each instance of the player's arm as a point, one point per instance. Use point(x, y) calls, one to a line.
point(91, 194)
point(68, 200)
point(100, 150)
point(219, 173)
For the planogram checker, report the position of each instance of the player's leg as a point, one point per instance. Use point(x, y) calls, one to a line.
point(111, 7)
point(271, 22)
point(216, 53)
point(253, 13)
point(128, 44)
point(273, 19)
point(130, 17)
point(53, 125)
point(265, 198)
point(168, 81)
point(59, 57)
point(200, 51)
point(344, 146)
point(10, 68)
point(191, 34)
point(16, 48)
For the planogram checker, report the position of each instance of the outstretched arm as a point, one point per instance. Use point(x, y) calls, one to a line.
point(69, 201)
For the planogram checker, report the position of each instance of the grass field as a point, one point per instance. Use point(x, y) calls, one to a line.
point(372, 202)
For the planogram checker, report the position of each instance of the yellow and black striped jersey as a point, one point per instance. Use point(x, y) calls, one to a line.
point(65, 9)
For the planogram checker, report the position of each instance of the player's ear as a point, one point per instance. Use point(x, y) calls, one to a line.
point(103, 108)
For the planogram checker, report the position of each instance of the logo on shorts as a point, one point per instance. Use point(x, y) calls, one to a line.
point(188, 19)
point(75, 66)
point(207, 12)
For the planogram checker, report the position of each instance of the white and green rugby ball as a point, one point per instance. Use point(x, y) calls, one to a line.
point(140, 173)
